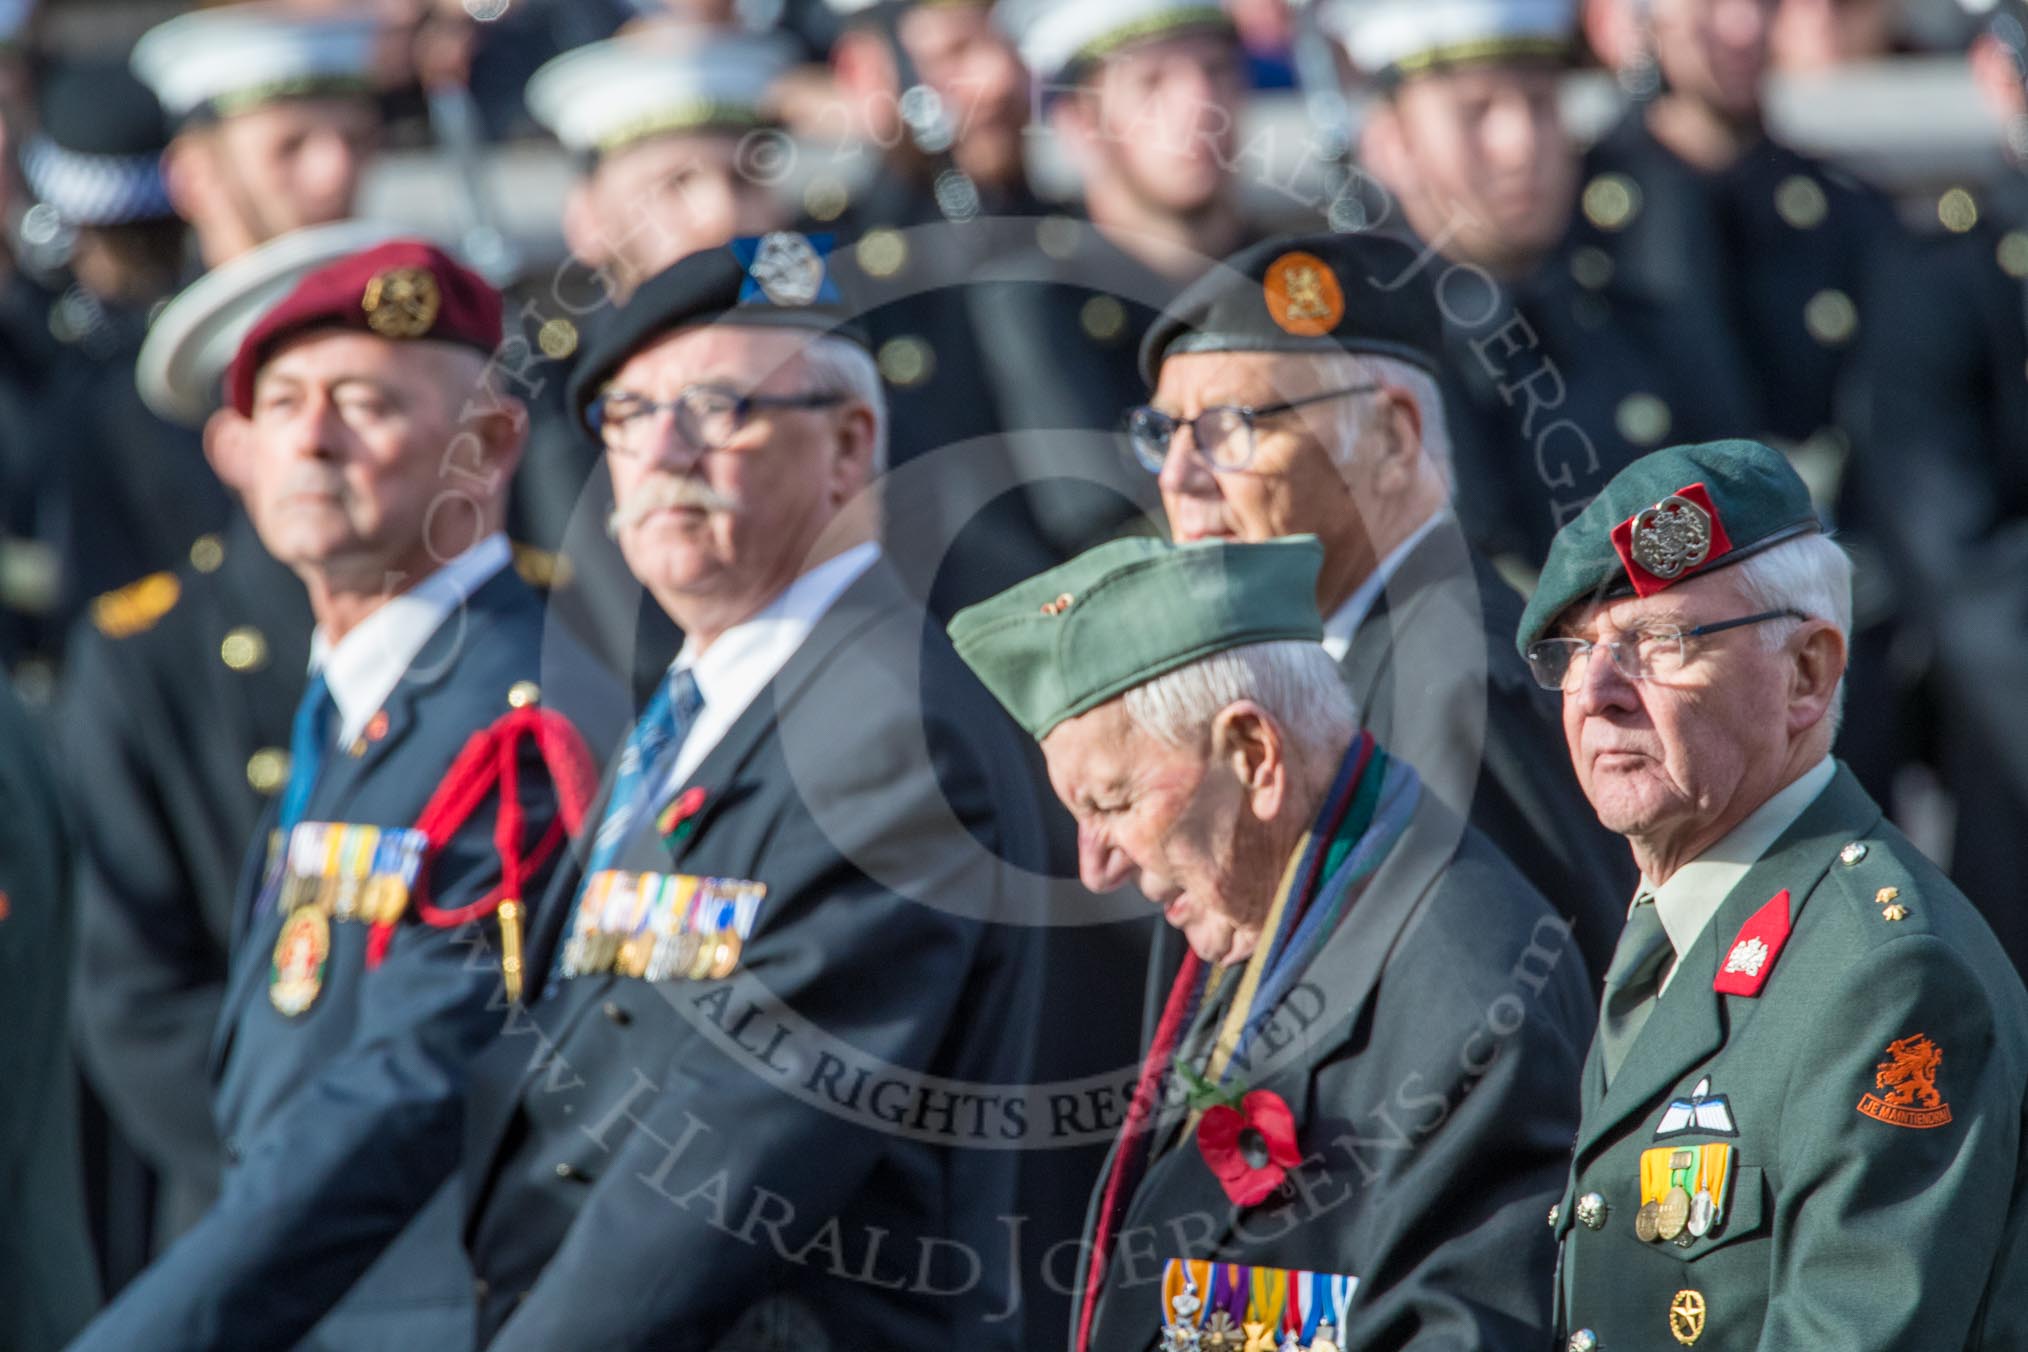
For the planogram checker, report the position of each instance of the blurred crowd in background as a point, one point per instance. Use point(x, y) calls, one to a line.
point(1653, 222)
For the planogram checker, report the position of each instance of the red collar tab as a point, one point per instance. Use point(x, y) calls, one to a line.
point(1747, 964)
point(1678, 537)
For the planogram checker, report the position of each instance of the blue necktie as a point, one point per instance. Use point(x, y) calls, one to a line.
point(644, 763)
point(309, 738)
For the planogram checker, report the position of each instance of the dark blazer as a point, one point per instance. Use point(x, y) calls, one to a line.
point(1429, 1056)
point(775, 1155)
point(175, 737)
point(48, 1285)
point(1435, 676)
point(1843, 1228)
point(341, 1124)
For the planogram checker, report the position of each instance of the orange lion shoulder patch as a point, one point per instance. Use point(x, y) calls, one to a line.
point(1908, 1076)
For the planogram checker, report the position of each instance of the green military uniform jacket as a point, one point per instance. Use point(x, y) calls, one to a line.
point(1863, 1107)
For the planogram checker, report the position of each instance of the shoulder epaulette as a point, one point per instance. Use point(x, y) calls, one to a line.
point(136, 607)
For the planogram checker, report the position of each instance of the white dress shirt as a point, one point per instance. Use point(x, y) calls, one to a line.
point(1694, 892)
point(1344, 622)
point(739, 665)
point(365, 666)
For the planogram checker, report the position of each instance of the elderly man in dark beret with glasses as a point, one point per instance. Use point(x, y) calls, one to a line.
point(761, 1096)
point(1803, 1111)
point(1297, 391)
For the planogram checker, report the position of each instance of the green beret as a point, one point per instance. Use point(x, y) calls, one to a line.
point(1672, 515)
point(1066, 641)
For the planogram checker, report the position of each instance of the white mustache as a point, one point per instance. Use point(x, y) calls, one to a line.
point(658, 493)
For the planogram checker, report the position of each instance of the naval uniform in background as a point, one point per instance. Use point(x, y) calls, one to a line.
point(174, 729)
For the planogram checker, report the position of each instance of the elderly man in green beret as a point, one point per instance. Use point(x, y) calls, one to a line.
point(1803, 1111)
point(1356, 1100)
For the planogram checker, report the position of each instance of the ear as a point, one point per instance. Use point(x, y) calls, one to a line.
point(1612, 30)
point(582, 233)
point(1397, 445)
point(852, 466)
point(1249, 744)
point(502, 433)
point(1820, 665)
point(186, 176)
point(1997, 77)
point(228, 446)
point(1073, 117)
point(1383, 148)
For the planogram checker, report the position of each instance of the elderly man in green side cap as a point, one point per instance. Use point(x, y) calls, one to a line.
point(1356, 1099)
point(1803, 1113)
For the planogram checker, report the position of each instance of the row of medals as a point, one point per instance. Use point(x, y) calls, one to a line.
point(380, 898)
point(655, 957)
point(1678, 1217)
point(1229, 1337)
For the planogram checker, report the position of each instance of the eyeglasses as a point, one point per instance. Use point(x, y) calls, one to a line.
point(1223, 433)
point(707, 417)
point(1644, 655)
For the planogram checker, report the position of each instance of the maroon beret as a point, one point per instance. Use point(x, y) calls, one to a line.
point(404, 290)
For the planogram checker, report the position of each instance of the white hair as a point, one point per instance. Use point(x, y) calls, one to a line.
point(1355, 415)
point(1812, 574)
point(840, 366)
point(1296, 682)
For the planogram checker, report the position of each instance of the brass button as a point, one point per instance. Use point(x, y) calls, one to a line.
point(557, 338)
point(611, 1009)
point(882, 253)
point(826, 198)
point(1057, 236)
point(572, 1173)
point(1831, 317)
point(2013, 254)
point(244, 649)
point(267, 769)
point(1584, 1340)
point(1853, 852)
point(207, 552)
point(906, 361)
point(1611, 201)
point(1801, 202)
point(1592, 1211)
point(1642, 419)
point(1103, 318)
point(1592, 267)
point(1555, 1214)
point(1958, 210)
point(522, 694)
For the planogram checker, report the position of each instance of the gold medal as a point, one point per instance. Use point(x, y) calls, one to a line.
point(725, 956)
point(1647, 1222)
point(687, 946)
point(1674, 1214)
point(300, 953)
point(701, 962)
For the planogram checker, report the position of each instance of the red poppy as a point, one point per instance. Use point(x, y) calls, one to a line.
point(1250, 1148)
point(679, 817)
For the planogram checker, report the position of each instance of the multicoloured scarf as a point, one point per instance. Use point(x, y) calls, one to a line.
point(1369, 806)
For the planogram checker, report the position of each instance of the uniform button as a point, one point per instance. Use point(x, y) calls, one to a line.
point(572, 1173)
point(244, 649)
point(481, 1289)
point(233, 1152)
point(1555, 1214)
point(1611, 201)
point(1852, 853)
point(611, 1009)
point(1584, 1340)
point(207, 552)
point(267, 769)
point(1592, 1211)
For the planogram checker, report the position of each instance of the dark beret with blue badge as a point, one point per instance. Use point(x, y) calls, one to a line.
point(1668, 517)
point(1353, 293)
point(779, 280)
